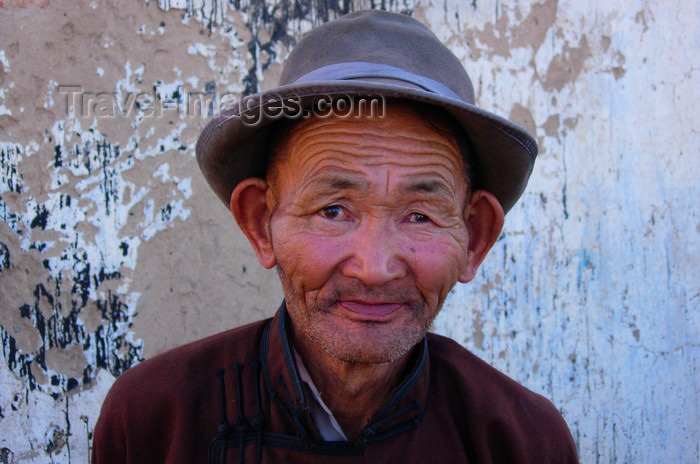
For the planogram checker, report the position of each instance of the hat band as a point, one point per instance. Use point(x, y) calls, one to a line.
point(361, 69)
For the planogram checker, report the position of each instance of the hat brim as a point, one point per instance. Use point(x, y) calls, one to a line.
point(234, 145)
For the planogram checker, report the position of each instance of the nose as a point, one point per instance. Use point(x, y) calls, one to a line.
point(375, 256)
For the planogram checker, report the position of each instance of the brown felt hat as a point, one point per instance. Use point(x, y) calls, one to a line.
point(366, 53)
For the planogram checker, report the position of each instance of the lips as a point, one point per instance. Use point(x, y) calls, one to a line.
point(371, 311)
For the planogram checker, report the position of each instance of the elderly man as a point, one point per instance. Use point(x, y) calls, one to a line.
point(373, 184)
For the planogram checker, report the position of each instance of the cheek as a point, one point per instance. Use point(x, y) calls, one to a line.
point(437, 264)
point(308, 260)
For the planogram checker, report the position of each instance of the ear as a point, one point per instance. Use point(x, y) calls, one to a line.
point(250, 209)
point(484, 217)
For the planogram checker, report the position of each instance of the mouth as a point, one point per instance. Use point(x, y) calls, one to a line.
point(369, 311)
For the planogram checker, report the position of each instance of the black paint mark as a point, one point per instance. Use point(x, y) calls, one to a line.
point(8, 166)
point(57, 159)
point(37, 246)
point(166, 213)
point(6, 456)
point(71, 384)
point(68, 432)
point(107, 154)
point(65, 201)
point(4, 257)
point(40, 218)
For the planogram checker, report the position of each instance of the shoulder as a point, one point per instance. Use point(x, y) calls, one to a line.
point(457, 366)
point(497, 408)
point(196, 360)
point(150, 405)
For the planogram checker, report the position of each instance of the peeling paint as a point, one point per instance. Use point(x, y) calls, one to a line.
point(512, 31)
point(522, 116)
point(565, 68)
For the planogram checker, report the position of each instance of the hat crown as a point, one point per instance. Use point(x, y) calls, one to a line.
point(379, 37)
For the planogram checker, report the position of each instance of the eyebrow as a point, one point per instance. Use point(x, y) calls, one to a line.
point(335, 182)
point(338, 182)
point(424, 186)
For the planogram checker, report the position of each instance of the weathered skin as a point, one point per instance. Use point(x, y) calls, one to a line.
point(369, 223)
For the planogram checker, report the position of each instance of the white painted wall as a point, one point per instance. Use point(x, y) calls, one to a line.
point(112, 248)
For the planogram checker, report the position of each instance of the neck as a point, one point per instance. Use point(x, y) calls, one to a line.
point(353, 392)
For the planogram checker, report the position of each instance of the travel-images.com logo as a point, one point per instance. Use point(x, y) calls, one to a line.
point(174, 103)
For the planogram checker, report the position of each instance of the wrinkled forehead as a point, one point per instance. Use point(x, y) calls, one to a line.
point(429, 131)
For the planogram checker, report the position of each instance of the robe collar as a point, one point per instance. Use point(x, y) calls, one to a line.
point(403, 410)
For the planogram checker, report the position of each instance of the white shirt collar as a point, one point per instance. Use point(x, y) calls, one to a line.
point(327, 424)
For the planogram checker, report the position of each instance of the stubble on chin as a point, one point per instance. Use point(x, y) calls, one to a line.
point(387, 346)
point(359, 342)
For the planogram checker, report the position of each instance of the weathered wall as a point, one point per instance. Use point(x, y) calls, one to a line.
point(112, 249)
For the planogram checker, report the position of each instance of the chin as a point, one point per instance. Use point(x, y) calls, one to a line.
point(370, 346)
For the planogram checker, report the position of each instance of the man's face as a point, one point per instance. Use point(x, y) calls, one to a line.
point(368, 230)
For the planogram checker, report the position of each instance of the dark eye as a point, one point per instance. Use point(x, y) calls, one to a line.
point(418, 217)
point(332, 212)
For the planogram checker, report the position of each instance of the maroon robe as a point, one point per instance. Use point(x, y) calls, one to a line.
point(236, 397)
